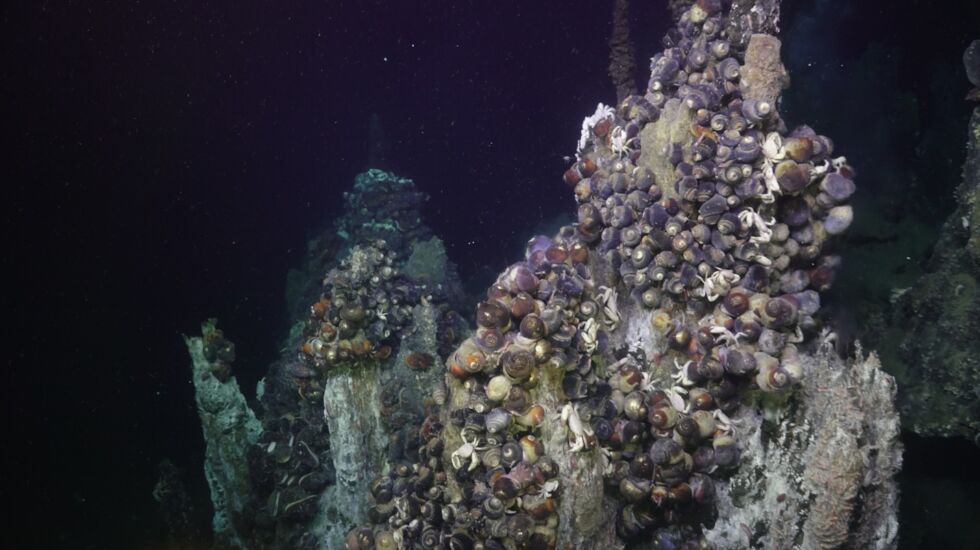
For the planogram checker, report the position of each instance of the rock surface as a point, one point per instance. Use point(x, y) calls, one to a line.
point(818, 470)
point(230, 428)
point(935, 322)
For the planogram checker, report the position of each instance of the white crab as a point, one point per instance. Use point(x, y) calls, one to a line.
point(751, 219)
point(681, 376)
point(601, 112)
point(606, 297)
point(772, 147)
point(724, 335)
point(647, 382)
point(718, 283)
point(772, 186)
point(722, 422)
point(580, 433)
point(590, 332)
point(827, 338)
point(675, 395)
point(618, 142)
point(467, 451)
point(549, 487)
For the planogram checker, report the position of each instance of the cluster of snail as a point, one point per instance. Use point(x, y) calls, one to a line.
point(727, 259)
point(365, 303)
point(421, 505)
point(383, 206)
point(218, 350)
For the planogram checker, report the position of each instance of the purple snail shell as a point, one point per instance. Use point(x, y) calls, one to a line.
point(674, 225)
point(751, 187)
point(700, 398)
point(735, 303)
point(656, 98)
point(643, 178)
point(511, 453)
point(641, 466)
point(609, 240)
point(755, 111)
point(792, 176)
point(697, 58)
point(491, 314)
point(720, 49)
point(771, 341)
point(701, 233)
point(583, 190)
point(641, 256)
point(711, 210)
point(794, 281)
point(662, 418)
point(773, 379)
point(517, 364)
point(619, 182)
point(299, 370)
point(737, 362)
point(522, 304)
point(823, 147)
point(620, 216)
point(497, 420)
point(703, 148)
point(663, 69)
point(637, 201)
point(682, 241)
point(729, 69)
point(519, 278)
point(733, 174)
point(538, 242)
point(726, 451)
point(575, 386)
point(590, 222)
point(532, 327)
point(747, 150)
point(809, 301)
point(756, 279)
point(635, 489)
point(626, 432)
point(570, 283)
point(650, 298)
point(601, 427)
point(838, 219)
point(630, 236)
point(729, 224)
point(781, 311)
point(489, 339)
point(517, 400)
point(710, 27)
point(556, 254)
point(802, 130)
point(722, 241)
point(702, 488)
point(564, 336)
point(799, 149)
point(718, 122)
point(493, 508)
point(794, 212)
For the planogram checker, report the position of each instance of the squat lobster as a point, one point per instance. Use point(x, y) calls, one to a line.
point(581, 435)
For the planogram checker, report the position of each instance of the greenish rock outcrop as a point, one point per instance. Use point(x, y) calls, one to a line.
point(372, 410)
point(936, 320)
point(230, 428)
